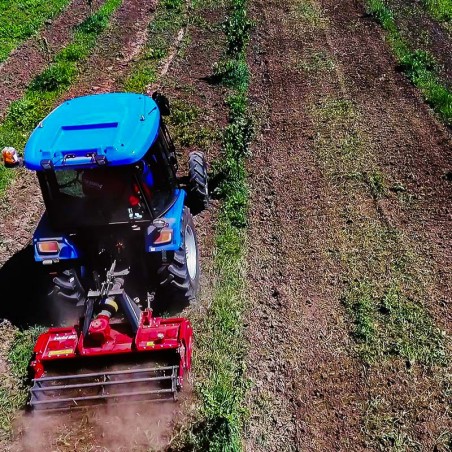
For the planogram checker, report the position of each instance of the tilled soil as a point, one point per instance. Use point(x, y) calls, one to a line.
point(31, 58)
point(311, 391)
point(305, 379)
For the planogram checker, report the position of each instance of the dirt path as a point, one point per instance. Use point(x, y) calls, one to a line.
point(37, 52)
point(314, 63)
point(413, 148)
point(306, 380)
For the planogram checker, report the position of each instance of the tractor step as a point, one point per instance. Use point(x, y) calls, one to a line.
point(79, 390)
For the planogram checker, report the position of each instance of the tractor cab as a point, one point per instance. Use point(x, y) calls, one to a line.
point(106, 195)
point(102, 160)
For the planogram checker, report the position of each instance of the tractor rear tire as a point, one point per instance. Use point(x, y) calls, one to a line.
point(198, 190)
point(179, 271)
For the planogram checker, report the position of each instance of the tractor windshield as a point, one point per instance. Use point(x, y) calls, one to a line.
point(93, 197)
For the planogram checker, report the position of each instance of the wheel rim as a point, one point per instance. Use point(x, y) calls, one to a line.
point(191, 252)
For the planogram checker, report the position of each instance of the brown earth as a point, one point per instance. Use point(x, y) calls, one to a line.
point(311, 392)
point(310, 389)
point(37, 52)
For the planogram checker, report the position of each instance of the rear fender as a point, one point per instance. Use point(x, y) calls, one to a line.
point(173, 218)
point(43, 233)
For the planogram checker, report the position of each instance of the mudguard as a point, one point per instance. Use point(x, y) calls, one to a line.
point(44, 233)
point(173, 218)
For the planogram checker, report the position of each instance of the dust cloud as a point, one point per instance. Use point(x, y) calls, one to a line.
point(145, 426)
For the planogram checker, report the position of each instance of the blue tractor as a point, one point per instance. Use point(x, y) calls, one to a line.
point(108, 173)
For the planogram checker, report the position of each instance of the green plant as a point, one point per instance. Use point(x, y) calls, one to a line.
point(237, 29)
point(382, 13)
point(94, 24)
point(439, 9)
point(56, 77)
point(233, 73)
point(419, 65)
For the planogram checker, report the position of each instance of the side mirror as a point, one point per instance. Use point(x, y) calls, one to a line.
point(10, 158)
point(162, 102)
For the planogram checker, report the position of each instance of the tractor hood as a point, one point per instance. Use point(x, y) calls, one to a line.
point(113, 128)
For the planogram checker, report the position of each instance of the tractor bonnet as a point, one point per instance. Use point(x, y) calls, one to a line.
point(113, 128)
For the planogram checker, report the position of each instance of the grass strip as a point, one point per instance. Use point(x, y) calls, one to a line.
point(386, 281)
point(440, 10)
point(418, 65)
point(13, 386)
point(220, 341)
point(19, 20)
point(24, 114)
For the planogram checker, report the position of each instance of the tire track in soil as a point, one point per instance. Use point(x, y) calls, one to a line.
point(308, 388)
point(31, 58)
point(115, 50)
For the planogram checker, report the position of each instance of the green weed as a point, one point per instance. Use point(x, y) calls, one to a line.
point(237, 28)
point(384, 15)
point(419, 66)
point(376, 182)
point(21, 19)
point(21, 351)
point(220, 343)
point(233, 73)
point(187, 131)
point(439, 9)
point(57, 77)
point(13, 386)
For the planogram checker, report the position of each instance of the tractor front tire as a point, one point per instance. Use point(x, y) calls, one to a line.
point(179, 271)
point(198, 190)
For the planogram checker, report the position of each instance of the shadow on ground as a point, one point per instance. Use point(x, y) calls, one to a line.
point(23, 282)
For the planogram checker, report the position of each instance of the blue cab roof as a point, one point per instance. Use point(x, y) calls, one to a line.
point(119, 126)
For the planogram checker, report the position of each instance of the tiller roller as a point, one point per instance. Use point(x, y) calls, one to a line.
point(115, 330)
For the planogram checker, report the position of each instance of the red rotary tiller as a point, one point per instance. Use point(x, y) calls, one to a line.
point(119, 328)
